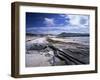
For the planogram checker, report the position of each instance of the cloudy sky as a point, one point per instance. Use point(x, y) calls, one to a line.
point(47, 23)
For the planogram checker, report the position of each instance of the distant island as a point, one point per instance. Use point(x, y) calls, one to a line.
point(63, 34)
point(73, 34)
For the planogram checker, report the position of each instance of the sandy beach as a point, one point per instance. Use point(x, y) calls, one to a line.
point(36, 56)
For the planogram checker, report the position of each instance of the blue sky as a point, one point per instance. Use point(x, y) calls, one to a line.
point(48, 23)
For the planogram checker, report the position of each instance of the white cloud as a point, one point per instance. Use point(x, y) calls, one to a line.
point(49, 21)
point(59, 29)
point(76, 19)
point(84, 20)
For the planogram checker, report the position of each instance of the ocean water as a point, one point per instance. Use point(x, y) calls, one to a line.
point(84, 40)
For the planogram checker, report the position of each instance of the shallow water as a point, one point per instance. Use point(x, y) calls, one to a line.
point(84, 40)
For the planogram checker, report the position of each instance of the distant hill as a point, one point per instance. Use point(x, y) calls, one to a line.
point(72, 34)
point(64, 34)
point(32, 34)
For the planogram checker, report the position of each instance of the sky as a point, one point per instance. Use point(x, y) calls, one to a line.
point(50, 23)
